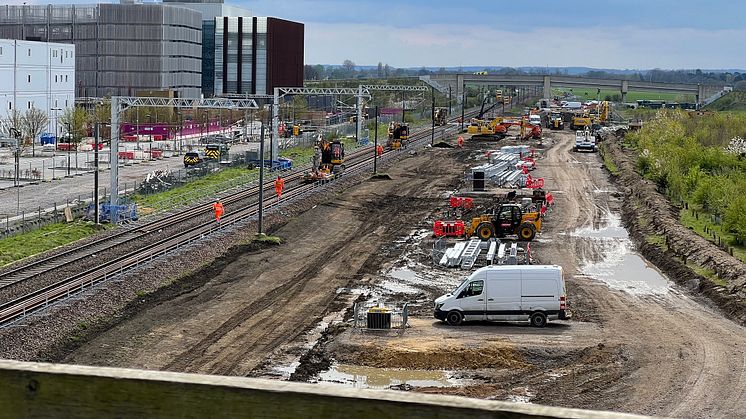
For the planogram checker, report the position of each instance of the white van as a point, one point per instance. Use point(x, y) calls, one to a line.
point(534, 119)
point(507, 293)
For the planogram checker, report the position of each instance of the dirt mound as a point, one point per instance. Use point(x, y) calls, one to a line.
point(443, 144)
point(431, 357)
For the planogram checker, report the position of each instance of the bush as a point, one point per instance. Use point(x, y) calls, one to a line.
point(685, 155)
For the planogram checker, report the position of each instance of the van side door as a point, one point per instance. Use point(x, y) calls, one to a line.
point(541, 291)
point(472, 299)
point(504, 294)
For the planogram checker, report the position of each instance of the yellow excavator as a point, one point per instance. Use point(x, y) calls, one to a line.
point(482, 127)
point(580, 121)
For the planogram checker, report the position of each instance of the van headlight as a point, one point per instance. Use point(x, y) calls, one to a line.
point(438, 306)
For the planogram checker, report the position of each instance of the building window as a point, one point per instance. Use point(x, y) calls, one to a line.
point(29, 52)
point(55, 103)
point(55, 78)
point(1, 50)
point(54, 53)
point(10, 105)
point(29, 78)
point(65, 78)
point(29, 105)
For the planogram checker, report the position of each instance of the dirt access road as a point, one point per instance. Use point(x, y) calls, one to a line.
point(268, 298)
point(674, 355)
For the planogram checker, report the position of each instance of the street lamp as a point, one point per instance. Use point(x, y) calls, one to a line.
point(17, 157)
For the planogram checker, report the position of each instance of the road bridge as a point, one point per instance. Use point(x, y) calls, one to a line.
point(455, 82)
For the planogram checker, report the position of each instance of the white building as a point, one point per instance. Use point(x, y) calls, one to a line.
point(37, 74)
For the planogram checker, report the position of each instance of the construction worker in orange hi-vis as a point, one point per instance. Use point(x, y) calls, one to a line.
point(379, 150)
point(219, 210)
point(460, 141)
point(279, 186)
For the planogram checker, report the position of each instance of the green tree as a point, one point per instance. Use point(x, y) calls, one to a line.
point(75, 121)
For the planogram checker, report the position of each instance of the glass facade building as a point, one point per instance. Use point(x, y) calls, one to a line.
point(253, 55)
point(121, 48)
point(246, 54)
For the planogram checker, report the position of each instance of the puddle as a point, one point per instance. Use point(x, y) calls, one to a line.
point(621, 267)
point(611, 230)
point(383, 378)
point(626, 270)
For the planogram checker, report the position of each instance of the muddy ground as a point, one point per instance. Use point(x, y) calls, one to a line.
point(638, 342)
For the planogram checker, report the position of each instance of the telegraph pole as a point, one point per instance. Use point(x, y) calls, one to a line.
point(375, 145)
point(432, 131)
point(95, 175)
point(261, 179)
point(463, 104)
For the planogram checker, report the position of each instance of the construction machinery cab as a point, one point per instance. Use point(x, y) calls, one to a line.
point(332, 156)
point(556, 121)
point(398, 135)
point(441, 115)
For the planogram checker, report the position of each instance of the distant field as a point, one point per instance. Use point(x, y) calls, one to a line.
point(590, 94)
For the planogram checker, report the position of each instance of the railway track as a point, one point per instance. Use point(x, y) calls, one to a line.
point(132, 233)
point(48, 295)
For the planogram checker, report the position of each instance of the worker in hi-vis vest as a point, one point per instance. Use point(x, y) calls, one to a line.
point(219, 210)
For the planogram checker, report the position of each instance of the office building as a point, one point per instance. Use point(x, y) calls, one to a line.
point(36, 74)
point(246, 54)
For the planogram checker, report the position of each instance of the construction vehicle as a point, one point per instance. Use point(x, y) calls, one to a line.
point(441, 116)
point(529, 130)
point(505, 220)
point(555, 121)
point(603, 111)
point(497, 129)
point(585, 140)
point(398, 135)
point(332, 156)
point(580, 121)
point(481, 129)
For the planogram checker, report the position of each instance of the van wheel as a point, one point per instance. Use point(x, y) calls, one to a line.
point(454, 318)
point(538, 319)
point(527, 231)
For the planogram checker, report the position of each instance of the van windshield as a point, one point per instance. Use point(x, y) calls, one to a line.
point(459, 285)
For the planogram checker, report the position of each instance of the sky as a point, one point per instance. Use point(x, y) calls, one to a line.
point(623, 34)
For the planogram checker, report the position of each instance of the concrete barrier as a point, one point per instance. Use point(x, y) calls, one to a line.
point(37, 390)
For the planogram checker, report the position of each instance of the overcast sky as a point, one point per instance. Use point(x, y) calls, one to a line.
point(639, 34)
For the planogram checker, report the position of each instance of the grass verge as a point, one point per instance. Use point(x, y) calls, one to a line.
point(269, 239)
point(207, 185)
point(608, 161)
point(702, 225)
point(40, 240)
point(302, 154)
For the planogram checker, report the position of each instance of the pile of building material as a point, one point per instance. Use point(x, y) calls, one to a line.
point(466, 254)
point(506, 169)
